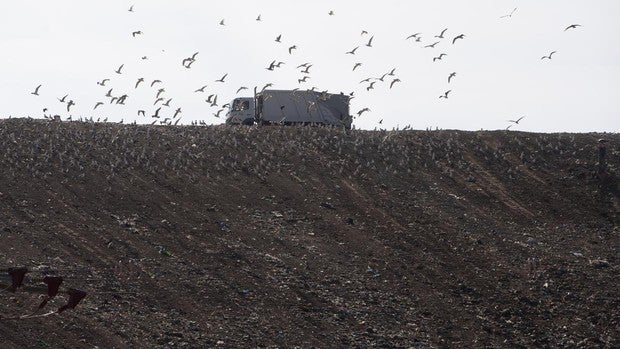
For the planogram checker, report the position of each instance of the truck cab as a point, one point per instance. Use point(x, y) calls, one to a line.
point(241, 112)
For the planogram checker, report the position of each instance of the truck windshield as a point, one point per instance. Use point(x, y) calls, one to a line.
point(240, 105)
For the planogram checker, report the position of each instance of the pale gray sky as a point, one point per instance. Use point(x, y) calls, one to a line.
point(69, 45)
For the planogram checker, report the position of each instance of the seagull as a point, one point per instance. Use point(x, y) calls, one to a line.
point(222, 22)
point(445, 95)
point(549, 56)
point(461, 36)
point(217, 115)
point(158, 100)
point(303, 65)
point(369, 44)
point(141, 112)
point(453, 74)
point(202, 89)
point(307, 70)
point(136, 33)
point(131, 8)
point(359, 113)
point(118, 71)
point(432, 45)
point(371, 86)
point(139, 81)
point(176, 112)
point(439, 57)
point(36, 91)
point(516, 121)
point(241, 89)
point(222, 79)
point(290, 49)
point(299, 81)
point(352, 52)
point(102, 82)
point(156, 115)
point(363, 33)
point(413, 36)
point(391, 73)
point(154, 82)
point(356, 65)
point(109, 94)
point(365, 80)
point(393, 82)
point(440, 36)
point(572, 26)
point(167, 104)
point(62, 100)
point(144, 58)
point(509, 15)
point(98, 104)
point(69, 104)
point(278, 38)
point(331, 13)
point(258, 18)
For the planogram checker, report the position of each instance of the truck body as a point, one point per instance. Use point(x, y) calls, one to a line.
point(291, 107)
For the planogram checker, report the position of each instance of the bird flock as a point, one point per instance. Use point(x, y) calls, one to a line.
point(164, 111)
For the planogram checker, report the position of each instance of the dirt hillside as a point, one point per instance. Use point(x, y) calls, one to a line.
point(194, 237)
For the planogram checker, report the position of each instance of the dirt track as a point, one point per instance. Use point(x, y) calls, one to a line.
point(297, 237)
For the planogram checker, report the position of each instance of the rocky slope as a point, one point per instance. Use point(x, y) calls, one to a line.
point(196, 237)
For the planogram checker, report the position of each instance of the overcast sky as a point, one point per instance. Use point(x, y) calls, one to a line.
point(70, 45)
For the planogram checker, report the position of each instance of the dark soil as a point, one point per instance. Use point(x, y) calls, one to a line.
point(194, 237)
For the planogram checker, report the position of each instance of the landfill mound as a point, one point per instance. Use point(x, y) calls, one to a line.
point(194, 237)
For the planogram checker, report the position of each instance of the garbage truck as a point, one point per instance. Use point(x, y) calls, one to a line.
point(291, 107)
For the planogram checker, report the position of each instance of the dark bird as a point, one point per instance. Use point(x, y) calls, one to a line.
point(391, 73)
point(453, 74)
point(176, 112)
point(572, 26)
point(415, 36)
point(217, 115)
point(439, 57)
point(549, 56)
point(271, 66)
point(202, 89)
point(356, 65)
point(36, 91)
point(141, 112)
point(144, 58)
point(299, 81)
point(136, 33)
point(359, 113)
point(461, 36)
point(363, 33)
point(139, 81)
point(510, 14)
point(69, 104)
point(432, 45)
point(156, 115)
point(194, 56)
point(331, 13)
point(222, 79)
point(393, 82)
point(307, 70)
point(303, 65)
point(131, 8)
point(290, 49)
point(109, 93)
point(62, 100)
point(371, 86)
point(369, 43)
point(160, 99)
point(258, 18)
point(365, 80)
point(222, 22)
point(278, 38)
point(98, 104)
point(102, 82)
point(241, 89)
point(445, 95)
point(352, 52)
point(167, 104)
point(440, 36)
point(118, 71)
point(516, 121)
point(155, 82)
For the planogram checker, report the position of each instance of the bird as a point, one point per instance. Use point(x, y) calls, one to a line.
point(62, 100)
point(307, 70)
point(131, 8)
point(139, 81)
point(290, 49)
point(69, 104)
point(278, 38)
point(516, 121)
point(303, 65)
point(303, 79)
point(352, 52)
point(156, 115)
point(331, 13)
point(160, 91)
point(155, 82)
point(202, 89)
point(356, 65)
point(102, 82)
point(241, 89)
point(549, 56)
point(369, 44)
point(432, 45)
point(98, 104)
point(222, 79)
point(194, 56)
point(217, 115)
point(363, 33)
point(109, 93)
point(572, 26)
point(222, 22)
point(141, 112)
point(440, 36)
point(36, 91)
point(138, 32)
point(271, 66)
point(453, 74)
point(365, 80)
point(158, 100)
point(393, 82)
point(371, 86)
point(118, 71)
point(445, 95)
point(258, 19)
point(359, 113)
point(510, 14)
point(176, 112)
point(144, 58)
point(460, 36)
point(439, 57)
point(413, 36)
point(189, 64)
point(391, 73)
point(167, 104)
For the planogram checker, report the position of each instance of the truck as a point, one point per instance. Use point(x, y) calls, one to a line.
point(291, 107)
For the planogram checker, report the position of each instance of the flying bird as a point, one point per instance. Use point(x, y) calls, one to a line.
point(222, 22)
point(98, 104)
point(141, 112)
point(413, 36)
point(299, 81)
point(516, 121)
point(69, 104)
point(331, 13)
point(432, 45)
point(118, 71)
point(36, 91)
point(356, 65)
point(241, 89)
point(371, 86)
point(510, 14)
point(445, 95)
point(359, 113)
point(290, 49)
point(155, 82)
point(278, 38)
point(176, 112)
point(369, 44)
point(352, 52)
point(62, 100)
point(102, 82)
point(572, 26)
point(453, 74)
point(131, 8)
point(461, 36)
point(439, 57)
point(222, 79)
point(391, 73)
point(549, 56)
point(139, 81)
point(136, 33)
point(167, 104)
point(202, 89)
point(440, 36)
point(258, 19)
point(363, 33)
point(393, 82)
